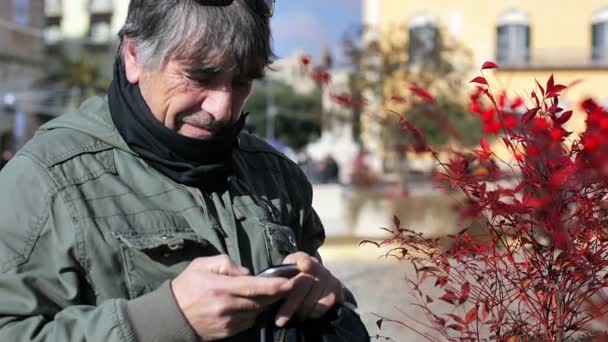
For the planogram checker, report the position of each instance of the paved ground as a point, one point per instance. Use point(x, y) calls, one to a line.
point(380, 290)
point(377, 283)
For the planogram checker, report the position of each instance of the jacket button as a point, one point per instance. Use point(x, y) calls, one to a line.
point(176, 245)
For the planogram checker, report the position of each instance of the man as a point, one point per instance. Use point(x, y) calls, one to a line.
point(144, 216)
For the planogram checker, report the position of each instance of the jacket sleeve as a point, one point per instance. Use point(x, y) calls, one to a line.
point(313, 234)
point(43, 288)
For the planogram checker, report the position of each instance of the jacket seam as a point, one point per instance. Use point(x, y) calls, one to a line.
point(137, 213)
point(121, 320)
point(93, 147)
point(123, 194)
point(87, 177)
point(60, 192)
point(34, 231)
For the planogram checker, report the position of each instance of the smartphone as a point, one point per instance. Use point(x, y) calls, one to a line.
point(285, 271)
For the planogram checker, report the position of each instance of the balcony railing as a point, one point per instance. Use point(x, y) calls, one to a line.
point(555, 58)
point(52, 35)
point(100, 33)
point(52, 8)
point(101, 7)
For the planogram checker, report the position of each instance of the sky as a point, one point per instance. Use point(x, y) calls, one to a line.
point(312, 25)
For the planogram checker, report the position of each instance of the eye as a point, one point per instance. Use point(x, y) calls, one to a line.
point(200, 81)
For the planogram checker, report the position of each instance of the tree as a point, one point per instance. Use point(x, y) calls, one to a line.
point(73, 78)
point(392, 61)
point(298, 119)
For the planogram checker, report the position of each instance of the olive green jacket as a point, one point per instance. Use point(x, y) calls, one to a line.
point(90, 234)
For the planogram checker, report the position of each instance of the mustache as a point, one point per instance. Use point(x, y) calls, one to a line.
point(200, 119)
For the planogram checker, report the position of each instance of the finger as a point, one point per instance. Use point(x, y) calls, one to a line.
point(333, 295)
point(244, 305)
point(250, 286)
point(317, 292)
point(294, 299)
point(322, 306)
point(294, 257)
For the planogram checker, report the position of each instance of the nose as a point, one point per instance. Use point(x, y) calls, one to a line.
point(218, 102)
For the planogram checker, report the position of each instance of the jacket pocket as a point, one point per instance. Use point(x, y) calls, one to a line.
point(152, 258)
point(280, 241)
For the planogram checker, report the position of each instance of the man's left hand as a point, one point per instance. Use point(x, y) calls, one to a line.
point(315, 290)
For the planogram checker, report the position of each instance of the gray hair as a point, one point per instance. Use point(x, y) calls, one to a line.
point(210, 39)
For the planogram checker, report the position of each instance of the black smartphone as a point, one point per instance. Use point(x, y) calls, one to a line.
point(285, 271)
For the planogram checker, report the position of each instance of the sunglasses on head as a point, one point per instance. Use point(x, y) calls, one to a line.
point(265, 7)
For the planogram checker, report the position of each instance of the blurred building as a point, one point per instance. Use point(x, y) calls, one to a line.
point(21, 66)
point(86, 28)
point(81, 40)
point(530, 40)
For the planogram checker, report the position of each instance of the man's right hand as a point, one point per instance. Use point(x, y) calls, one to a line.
point(220, 299)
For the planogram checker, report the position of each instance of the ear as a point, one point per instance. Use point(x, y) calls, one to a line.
point(133, 68)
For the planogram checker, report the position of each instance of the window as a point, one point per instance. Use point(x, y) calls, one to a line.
point(599, 37)
point(513, 39)
point(52, 34)
point(100, 32)
point(423, 39)
point(21, 15)
point(101, 6)
point(52, 8)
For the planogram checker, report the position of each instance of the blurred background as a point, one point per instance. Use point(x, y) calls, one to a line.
point(343, 66)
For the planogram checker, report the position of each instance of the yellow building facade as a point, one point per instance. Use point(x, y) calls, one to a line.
point(530, 40)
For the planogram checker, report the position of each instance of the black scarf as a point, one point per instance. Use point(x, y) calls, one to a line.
point(200, 163)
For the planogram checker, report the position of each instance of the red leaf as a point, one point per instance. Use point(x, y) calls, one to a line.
point(542, 90)
point(397, 99)
point(489, 65)
point(305, 60)
point(396, 222)
point(484, 311)
point(456, 327)
point(492, 127)
point(479, 80)
point(471, 316)
point(449, 297)
point(322, 77)
point(550, 84)
point(536, 100)
point(464, 292)
point(456, 318)
point(510, 121)
point(423, 94)
point(484, 144)
point(441, 281)
point(517, 102)
point(556, 90)
point(530, 114)
point(485, 151)
point(557, 133)
point(344, 100)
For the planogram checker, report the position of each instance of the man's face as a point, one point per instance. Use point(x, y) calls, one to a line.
point(197, 109)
